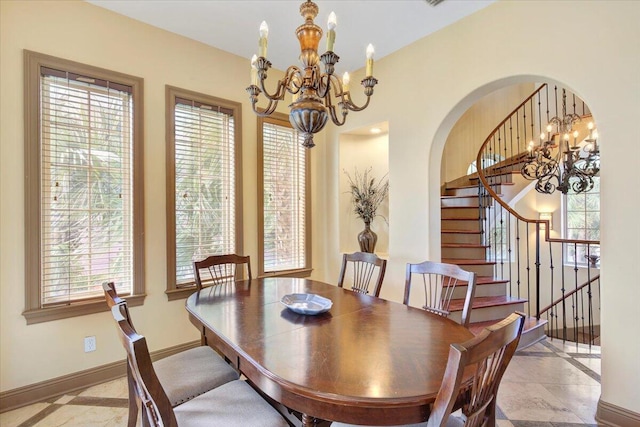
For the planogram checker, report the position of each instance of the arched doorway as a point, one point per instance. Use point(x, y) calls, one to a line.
point(562, 282)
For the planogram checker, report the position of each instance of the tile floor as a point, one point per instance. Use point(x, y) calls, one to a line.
point(549, 384)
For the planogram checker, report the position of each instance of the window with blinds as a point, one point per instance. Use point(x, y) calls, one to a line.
point(86, 187)
point(582, 222)
point(81, 218)
point(284, 187)
point(203, 172)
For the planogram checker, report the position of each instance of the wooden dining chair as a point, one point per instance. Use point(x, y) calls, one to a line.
point(184, 375)
point(489, 354)
point(233, 404)
point(366, 268)
point(220, 269)
point(442, 283)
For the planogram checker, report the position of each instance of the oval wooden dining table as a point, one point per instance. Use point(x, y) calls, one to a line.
point(365, 361)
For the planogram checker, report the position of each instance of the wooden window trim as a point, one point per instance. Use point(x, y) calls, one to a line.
point(171, 94)
point(281, 120)
point(564, 206)
point(33, 312)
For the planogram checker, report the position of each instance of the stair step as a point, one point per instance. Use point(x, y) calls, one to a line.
point(463, 245)
point(455, 212)
point(468, 224)
point(469, 185)
point(463, 199)
point(492, 177)
point(462, 262)
point(483, 302)
point(458, 196)
point(489, 280)
point(484, 289)
point(479, 266)
point(532, 332)
point(470, 200)
point(456, 187)
point(460, 237)
point(488, 308)
point(463, 250)
point(462, 191)
point(484, 280)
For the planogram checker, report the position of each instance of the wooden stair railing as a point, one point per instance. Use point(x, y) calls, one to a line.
point(514, 242)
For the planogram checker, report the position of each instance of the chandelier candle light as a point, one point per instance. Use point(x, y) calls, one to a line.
point(315, 95)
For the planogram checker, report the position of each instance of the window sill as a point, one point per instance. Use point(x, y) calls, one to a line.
point(180, 293)
point(76, 309)
point(305, 272)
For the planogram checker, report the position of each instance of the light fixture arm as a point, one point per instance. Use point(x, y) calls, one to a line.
point(292, 76)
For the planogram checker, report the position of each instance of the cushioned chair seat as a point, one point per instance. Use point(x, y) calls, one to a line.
point(234, 404)
point(193, 372)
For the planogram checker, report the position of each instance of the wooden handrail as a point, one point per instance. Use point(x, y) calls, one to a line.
point(565, 296)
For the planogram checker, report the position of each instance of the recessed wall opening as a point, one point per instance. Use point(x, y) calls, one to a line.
point(363, 149)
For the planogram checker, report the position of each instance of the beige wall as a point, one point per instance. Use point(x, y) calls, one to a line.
point(468, 134)
point(84, 33)
point(493, 49)
point(456, 67)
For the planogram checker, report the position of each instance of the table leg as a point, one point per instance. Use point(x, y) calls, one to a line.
point(308, 421)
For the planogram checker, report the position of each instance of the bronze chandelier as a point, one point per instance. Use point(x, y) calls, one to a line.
point(573, 166)
point(315, 95)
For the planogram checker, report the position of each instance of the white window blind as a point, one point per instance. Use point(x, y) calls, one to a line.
point(204, 184)
point(86, 186)
point(284, 198)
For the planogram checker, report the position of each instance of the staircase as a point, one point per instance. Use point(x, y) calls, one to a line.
point(461, 228)
point(519, 264)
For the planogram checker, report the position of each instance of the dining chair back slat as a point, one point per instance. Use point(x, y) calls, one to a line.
point(439, 283)
point(366, 269)
point(220, 269)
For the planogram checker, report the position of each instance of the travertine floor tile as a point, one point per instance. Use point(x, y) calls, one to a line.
point(536, 348)
point(545, 370)
point(568, 347)
point(17, 416)
point(116, 388)
point(580, 399)
point(593, 364)
point(85, 416)
point(532, 402)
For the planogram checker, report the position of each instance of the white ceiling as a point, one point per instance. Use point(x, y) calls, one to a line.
point(232, 25)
